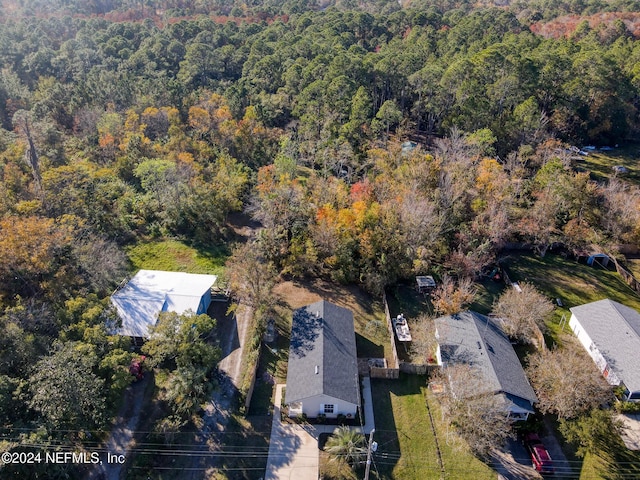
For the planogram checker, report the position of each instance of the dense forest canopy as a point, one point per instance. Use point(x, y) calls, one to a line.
point(372, 140)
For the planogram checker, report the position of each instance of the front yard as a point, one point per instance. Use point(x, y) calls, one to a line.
point(406, 443)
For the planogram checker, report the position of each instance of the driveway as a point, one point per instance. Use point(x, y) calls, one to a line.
point(121, 440)
point(513, 461)
point(293, 448)
point(631, 431)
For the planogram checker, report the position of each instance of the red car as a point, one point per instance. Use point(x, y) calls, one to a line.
point(540, 458)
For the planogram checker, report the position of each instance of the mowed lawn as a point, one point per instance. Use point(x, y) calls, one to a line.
point(406, 443)
point(600, 163)
point(176, 256)
point(572, 282)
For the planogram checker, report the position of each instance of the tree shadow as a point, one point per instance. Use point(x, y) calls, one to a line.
point(329, 292)
point(367, 349)
point(617, 460)
point(387, 429)
point(226, 331)
point(305, 329)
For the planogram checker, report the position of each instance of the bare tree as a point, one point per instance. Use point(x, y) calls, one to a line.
point(477, 414)
point(523, 312)
point(622, 207)
point(423, 344)
point(250, 276)
point(566, 381)
point(451, 297)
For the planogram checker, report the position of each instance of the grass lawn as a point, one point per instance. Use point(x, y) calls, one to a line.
point(177, 256)
point(613, 461)
point(487, 292)
point(633, 264)
point(406, 444)
point(601, 164)
point(574, 283)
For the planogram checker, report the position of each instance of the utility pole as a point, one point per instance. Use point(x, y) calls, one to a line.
point(373, 446)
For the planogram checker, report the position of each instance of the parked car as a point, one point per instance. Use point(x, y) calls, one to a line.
point(540, 458)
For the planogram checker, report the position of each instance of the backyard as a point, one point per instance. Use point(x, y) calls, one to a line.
point(572, 282)
point(176, 256)
point(600, 163)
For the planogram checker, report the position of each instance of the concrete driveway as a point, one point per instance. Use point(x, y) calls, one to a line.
point(293, 448)
point(631, 430)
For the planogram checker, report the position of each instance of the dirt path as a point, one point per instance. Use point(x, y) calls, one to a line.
point(122, 439)
point(233, 333)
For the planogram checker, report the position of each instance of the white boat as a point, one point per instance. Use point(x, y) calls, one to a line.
point(402, 328)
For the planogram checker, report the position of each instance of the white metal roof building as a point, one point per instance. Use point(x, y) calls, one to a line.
point(150, 292)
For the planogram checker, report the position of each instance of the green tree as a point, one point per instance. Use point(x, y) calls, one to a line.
point(182, 340)
point(346, 445)
point(388, 116)
point(65, 390)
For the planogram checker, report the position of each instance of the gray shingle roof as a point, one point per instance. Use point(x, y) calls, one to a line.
point(615, 329)
point(322, 336)
point(472, 338)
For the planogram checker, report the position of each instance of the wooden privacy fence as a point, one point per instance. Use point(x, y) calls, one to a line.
point(394, 370)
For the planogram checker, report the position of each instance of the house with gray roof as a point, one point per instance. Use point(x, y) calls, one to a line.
point(610, 333)
point(478, 341)
point(322, 376)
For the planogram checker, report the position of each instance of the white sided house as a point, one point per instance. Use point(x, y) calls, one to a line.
point(150, 292)
point(322, 376)
point(610, 333)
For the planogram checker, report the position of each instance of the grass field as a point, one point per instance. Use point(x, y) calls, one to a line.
point(406, 443)
point(601, 164)
point(177, 256)
point(572, 282)
point(634, 266)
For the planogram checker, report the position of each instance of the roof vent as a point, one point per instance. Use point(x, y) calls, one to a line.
point(317, 369)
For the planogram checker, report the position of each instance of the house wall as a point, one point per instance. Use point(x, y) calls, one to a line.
point(205, 301)
point(313, 406)
point(593, 351)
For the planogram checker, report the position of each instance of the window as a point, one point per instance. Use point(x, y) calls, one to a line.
point(328, 408)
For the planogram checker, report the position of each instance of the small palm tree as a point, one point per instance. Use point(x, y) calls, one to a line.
point(347, 445)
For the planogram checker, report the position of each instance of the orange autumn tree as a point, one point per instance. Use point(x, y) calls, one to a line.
point(30, 248)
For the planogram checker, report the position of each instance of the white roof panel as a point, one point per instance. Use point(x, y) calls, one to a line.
point(150, 292)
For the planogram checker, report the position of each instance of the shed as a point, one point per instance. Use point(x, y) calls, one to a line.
point(475, 339)
point(322, 375)
point(425, 283)
point(150, 292)
point(610, 333)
